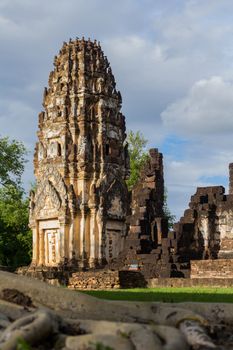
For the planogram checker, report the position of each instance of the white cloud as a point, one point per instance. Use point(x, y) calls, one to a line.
point(206, 109)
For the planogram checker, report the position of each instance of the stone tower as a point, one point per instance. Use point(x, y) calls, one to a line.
point(79, 207)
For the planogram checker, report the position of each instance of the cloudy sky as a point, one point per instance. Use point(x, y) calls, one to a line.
point(173, 63)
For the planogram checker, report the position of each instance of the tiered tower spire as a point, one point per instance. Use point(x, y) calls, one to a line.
point(79, 207)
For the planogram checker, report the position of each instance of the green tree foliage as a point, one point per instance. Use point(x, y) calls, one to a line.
point(12, 160)
point(15, 236)
point(137, 154)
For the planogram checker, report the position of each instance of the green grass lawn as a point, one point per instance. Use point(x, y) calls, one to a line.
point(167, 294)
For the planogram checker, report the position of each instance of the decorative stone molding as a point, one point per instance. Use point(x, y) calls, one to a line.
point(80, 142)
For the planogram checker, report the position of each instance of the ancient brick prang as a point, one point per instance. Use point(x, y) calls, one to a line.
point(79, 208)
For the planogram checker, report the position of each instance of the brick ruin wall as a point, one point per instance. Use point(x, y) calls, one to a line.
point(205, 233)
point(147, 243)
point(104, 279)
point(219, 268)
point(190, 282)
point(206, 229)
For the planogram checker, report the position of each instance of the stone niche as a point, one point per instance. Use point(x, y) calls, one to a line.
point(79, 207)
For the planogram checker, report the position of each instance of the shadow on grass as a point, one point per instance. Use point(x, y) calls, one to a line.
point(164, 296)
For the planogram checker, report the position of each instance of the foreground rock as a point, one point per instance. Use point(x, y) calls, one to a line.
point(48, 317)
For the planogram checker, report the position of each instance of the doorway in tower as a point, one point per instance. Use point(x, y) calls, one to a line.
point(49, 244)
point(51, 247)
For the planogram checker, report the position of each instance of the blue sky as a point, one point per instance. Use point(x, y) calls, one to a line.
point(173, 63)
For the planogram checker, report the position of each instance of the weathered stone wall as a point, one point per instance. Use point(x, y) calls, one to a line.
point(189, 282)
point(107, 279)
point(94, 280)
point(102, 280)
point(53, 275)
point(220, 268)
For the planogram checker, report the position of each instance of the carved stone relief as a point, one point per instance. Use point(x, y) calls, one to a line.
point(80, 105)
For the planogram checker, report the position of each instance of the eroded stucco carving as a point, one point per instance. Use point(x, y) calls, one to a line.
point(79, 155)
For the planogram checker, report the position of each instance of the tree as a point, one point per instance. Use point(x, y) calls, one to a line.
point(12, 160)
point(137, 154)
point(15, 236)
